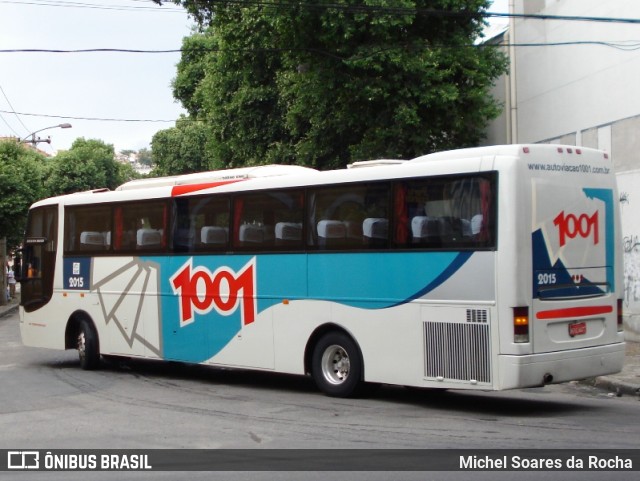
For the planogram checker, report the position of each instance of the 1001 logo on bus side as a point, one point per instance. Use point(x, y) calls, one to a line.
point(201, 290)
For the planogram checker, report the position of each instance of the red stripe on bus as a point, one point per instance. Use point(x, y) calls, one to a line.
point(188, 188)
point(574, 312)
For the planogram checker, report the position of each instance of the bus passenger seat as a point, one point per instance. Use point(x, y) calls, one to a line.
point(148, 238)
point(375, 231)
point(425, 228)
point(375, 228)
point(255, 234)
point(331, 231)
point(211, 234)
point(287, 232)
point(476, 224)
point(90, 240)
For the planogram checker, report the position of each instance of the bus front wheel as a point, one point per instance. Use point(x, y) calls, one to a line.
point(337, 365)
point(87, 345)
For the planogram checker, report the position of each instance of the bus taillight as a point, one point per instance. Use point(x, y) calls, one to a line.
point(619, 312)
point(520, 324)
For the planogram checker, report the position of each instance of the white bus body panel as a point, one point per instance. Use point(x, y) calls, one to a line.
point(458, 334)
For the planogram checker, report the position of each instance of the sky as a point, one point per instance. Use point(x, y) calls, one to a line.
point(91, 85)
point(49, 89)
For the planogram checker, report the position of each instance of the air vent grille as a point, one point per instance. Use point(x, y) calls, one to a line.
point(459, 351)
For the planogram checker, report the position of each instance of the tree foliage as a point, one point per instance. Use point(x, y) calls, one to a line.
point(181, 149)
point(27, 176)
point(89, 164)
point(324, 84)
point(21, 184)
point(144, 157)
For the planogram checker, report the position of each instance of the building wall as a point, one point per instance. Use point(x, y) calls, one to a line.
point(570, 88)
point(583, 94)
point(573, 89)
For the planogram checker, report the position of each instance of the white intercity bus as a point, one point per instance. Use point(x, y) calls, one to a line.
point(489, 268)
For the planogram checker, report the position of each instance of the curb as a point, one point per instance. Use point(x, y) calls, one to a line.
point(9, 310)
point(616, 386)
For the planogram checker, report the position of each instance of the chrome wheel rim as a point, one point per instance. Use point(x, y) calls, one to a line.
point(335, 364)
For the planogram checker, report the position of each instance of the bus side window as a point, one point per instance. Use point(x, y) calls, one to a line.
point(350, 217)
point(87, 229)
point(444, 212)
point(141, 226)
point(201, 224)
point(269, 220)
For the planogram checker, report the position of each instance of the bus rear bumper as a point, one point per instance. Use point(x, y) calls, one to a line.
point(555, 367)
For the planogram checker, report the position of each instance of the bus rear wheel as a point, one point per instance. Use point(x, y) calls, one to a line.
point(87, 345)
point(337, 365)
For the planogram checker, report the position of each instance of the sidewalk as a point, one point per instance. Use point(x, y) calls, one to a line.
point(626, 382)
point(10, 307)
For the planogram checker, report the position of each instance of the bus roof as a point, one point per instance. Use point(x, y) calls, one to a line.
point(280, 176)
point(241, 173)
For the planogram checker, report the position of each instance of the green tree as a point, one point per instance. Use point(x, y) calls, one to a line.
point(21, 184)
point(181, 149)
point(127, 152)
point(144, 157)
point(326, 84)
point(89, 164)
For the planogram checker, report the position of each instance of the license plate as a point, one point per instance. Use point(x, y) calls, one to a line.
point(577, 328)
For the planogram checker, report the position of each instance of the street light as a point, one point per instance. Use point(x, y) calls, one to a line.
point(35, 141)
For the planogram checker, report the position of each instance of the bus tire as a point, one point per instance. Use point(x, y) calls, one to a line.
point(336, 365)
point(87, 345)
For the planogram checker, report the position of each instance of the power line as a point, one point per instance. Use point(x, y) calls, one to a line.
point(90, 50)
point(10, 128)
point(98, 119)
point(397, 11)
point(627, 45)
point(68, 4)
point(12, 108)
point(567, 18)
point(424, 11)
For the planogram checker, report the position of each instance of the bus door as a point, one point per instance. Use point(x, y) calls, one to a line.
point(39, 258)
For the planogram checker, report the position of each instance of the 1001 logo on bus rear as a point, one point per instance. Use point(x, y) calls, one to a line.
point(571, 226)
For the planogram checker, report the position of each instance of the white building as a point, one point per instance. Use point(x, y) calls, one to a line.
point(575, 82)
